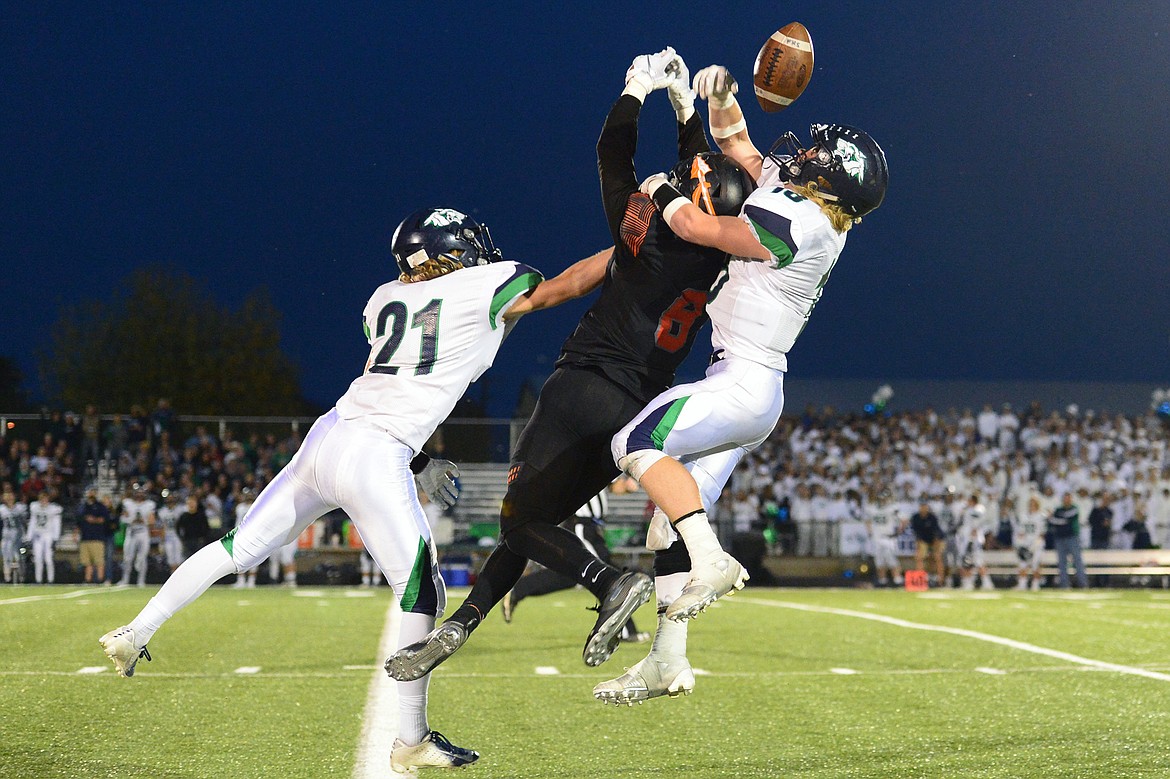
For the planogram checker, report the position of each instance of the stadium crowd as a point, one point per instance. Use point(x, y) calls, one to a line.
point(821, 470)
point(115, 467)
point(818, 472)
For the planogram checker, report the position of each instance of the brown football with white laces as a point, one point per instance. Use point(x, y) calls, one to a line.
point(783, 67)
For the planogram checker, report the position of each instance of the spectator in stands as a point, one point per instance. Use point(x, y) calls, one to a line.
point(192, 527)
point(929, 540)
point(93, 530)
point(1065, 526)
point(117, 438)
point(1100, 521)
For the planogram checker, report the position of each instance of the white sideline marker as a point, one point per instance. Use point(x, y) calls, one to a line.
point(547, 670)
point(991, 671)
point(700, 672)
point(380, 718)
point(92, 669)
point(246, 670)
point(1011, 643)
point(844, 671)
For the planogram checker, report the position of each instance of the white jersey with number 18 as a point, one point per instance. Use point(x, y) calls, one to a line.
point(428, 341)
point(765, 304)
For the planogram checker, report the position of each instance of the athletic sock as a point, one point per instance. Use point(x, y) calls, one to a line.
point(499, 574)
point(188, 582)
point(670, 639)
point(412, 696)
point(562, 551)
point(697, 534)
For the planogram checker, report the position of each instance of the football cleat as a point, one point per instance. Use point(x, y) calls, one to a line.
point(420, 658)
point(434, 751)
point(648, 678)
point(710, 580)
point(507, 604)
point(121, 647)
point(624, 597)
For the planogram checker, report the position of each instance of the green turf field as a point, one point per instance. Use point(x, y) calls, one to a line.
point(795, 683)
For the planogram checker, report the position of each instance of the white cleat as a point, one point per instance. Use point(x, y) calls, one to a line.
point(710, 580)
point(648, 678)
point(434, 751)
point(122, 647)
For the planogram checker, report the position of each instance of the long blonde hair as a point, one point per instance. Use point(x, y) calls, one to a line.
point(838, 218)
point(431, 269)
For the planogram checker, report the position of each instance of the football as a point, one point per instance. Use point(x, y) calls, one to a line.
point(783, 67)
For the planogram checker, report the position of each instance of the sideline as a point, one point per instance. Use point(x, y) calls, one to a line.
point(1011, 643)
point(380, 718)
point(65, 595)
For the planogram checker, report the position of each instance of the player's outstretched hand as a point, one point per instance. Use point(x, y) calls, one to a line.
point(653, 182)
point(682, 96)
point(716, 85)
point(437, 480)
point(654, 71)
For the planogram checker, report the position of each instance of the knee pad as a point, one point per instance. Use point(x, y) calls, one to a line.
point(638, 462)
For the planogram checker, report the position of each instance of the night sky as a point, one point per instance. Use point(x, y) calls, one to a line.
point(1023, 236)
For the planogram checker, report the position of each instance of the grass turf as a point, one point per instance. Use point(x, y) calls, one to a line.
point(797, 684)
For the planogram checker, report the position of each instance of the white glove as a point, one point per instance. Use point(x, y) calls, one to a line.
point(649, 72)
point(437, 480)
point(652, 183)
point(716, 85)
point(682, 97)
point(660, 534)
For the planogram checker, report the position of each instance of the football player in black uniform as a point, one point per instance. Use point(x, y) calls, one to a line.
point(624, 352)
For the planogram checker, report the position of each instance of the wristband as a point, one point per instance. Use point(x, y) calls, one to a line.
point(729, 130)
point(420, 461)
point(668, 200)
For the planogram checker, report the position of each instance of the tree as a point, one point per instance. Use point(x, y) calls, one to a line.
point(163, 335)
point(13, 397)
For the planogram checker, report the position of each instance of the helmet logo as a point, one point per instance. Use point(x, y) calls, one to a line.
point(441, 217)
point(851, 158)
point(701, 197)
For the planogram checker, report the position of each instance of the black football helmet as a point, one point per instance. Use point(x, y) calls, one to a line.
point(713, 182)
point(845, 165)
point(431, 233)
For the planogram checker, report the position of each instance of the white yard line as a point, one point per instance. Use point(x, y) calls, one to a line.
point(64, 595)
point(380, 719)
point(1011, 643)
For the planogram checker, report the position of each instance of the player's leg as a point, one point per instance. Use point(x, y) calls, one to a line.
point(559, 463)
point(736, 405)
point(665, 670)
point(379, 494)
point(282, 510)
point(142, 557)
point(50, 564)
point(40, 546)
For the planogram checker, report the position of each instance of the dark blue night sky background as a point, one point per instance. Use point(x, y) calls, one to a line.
point(1024, 235)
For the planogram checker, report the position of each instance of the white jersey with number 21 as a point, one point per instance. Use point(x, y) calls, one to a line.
point(428, 342)
point(764, 305)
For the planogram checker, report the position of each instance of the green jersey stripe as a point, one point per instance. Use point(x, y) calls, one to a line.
point(521, 284)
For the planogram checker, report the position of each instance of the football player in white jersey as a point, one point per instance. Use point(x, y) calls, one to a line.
point(138, 515)
point(884, 525)
point(783, 245)
point(168, 514)
point(432, 332)
point(44, 530)
point(13, 518)
point(1028, 538)
point(971, 537)
point(244, 578)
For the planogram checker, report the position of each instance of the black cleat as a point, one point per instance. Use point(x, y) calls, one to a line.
point(625, 596)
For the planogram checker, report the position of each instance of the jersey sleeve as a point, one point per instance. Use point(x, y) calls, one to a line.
point(769, 218)
point(519, 281)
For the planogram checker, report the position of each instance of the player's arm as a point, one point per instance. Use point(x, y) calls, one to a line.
point(726, 233)
point(717, 86)
point(580, 278)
